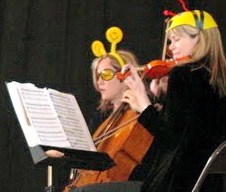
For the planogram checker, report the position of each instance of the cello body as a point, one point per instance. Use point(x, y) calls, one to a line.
point(126, 147)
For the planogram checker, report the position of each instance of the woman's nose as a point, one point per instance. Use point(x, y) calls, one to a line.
point(100, 81)
point(171, 46)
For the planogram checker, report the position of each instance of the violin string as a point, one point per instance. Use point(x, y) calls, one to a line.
point(112, 132)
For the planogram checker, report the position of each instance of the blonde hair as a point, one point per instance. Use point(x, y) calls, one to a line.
point(127, 56)
point(210, 48)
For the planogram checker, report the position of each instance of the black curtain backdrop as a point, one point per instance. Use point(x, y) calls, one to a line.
point(47, 42)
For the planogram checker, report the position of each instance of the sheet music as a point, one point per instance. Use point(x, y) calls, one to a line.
point(42, 116)
point(54, 118)
point(28, 130)
point(72, 120)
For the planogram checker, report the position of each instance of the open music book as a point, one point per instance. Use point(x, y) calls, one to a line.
point(50, 118)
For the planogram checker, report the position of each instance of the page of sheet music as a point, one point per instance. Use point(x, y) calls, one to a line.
point(28, 130)
point(72, 120)
point(43, 118)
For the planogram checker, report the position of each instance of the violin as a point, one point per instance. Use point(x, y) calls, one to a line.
point(154, 69)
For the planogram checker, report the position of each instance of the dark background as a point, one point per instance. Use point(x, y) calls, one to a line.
point(47, 42)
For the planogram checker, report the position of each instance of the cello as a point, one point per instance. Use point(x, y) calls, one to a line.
point(127, 144)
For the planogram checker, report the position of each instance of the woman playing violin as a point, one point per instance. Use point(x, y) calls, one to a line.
point(191, 122)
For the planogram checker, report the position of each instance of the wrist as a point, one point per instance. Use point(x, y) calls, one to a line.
point(145, 107)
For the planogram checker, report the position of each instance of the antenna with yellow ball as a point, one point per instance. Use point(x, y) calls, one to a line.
point(114, 35)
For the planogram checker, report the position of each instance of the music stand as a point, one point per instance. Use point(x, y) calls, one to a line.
point(49, 187)
point(79, 159)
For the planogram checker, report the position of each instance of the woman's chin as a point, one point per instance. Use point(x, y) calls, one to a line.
point(105, 98)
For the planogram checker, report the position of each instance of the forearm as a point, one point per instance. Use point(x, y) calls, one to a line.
point(157, 124)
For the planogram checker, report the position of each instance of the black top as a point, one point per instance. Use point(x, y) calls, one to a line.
point(98, 117)
point(188, 129)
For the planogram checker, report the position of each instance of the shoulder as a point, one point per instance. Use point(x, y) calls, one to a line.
point(189, 82)
point(191, 72)
point(190, 68)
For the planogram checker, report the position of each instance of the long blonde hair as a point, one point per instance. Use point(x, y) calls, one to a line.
point(209, 47)
point(127, 56)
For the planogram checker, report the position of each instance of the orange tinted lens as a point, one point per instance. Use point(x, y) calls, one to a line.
point(107, 74)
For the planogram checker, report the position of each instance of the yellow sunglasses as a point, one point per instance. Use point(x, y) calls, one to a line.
point(106, 74)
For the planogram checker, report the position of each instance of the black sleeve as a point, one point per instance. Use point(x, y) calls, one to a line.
point(169, 125)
